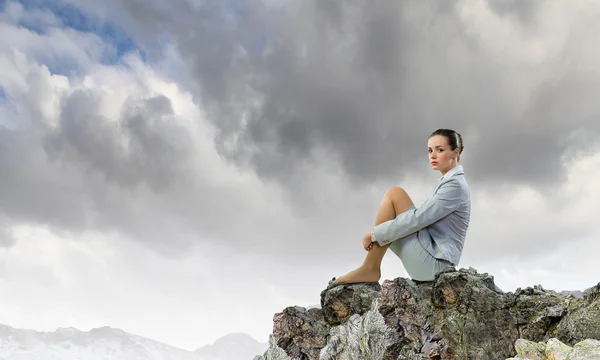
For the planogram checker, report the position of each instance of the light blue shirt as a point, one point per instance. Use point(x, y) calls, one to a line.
point(441, 222)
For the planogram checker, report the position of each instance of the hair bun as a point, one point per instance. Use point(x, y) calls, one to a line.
point(460, 143)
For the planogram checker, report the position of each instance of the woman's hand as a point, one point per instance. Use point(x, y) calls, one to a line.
point(367, 244)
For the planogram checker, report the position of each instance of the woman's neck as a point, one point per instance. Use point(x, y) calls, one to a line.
point(447, 170)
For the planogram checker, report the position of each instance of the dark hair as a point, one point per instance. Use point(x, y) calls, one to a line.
point(454, 139)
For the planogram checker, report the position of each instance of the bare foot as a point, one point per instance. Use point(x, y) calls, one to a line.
point(362, 274)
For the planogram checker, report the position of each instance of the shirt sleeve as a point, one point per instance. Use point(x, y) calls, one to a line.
point(445, 200)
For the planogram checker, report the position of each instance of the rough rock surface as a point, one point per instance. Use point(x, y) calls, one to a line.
point(583, 319)
point(301, 333)
point(554, 349)
point(462, 314)
point(274, 352)
point(341, 302)
point(363, 336)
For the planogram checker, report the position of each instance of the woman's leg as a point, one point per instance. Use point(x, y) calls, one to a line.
point(394, 202)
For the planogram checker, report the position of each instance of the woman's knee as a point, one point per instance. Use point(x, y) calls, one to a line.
point(396, 192)
point(399, 198)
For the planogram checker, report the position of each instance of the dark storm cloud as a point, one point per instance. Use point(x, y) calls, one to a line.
point(368, 82)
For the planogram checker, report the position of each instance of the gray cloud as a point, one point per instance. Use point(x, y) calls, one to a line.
point(525, 10)
point(369, 82)
point(318, 98)
point(129, 176)
point(145, 145)
point(144, 172)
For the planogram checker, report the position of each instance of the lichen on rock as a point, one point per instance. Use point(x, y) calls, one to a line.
point(274, 352)
point(461, 314)
point(554, 349)
point(361, 337)
point(530, 350)
point(583, 318)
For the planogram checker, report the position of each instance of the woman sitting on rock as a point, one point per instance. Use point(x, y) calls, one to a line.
point(427, 239)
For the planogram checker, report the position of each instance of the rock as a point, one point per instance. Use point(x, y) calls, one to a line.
point(473, 319)
point(586, 350)
point(341, 302)
point(583, 319)
point(362, 337)
point(556, 350)
point(571, 293)
point(538, 312)
point(274, 352)
point(301, 333)
point(461, 314)
point(530, 350)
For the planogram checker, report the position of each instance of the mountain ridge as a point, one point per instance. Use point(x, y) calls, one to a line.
point(69, 343)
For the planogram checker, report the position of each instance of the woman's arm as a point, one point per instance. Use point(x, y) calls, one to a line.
point(446, 199)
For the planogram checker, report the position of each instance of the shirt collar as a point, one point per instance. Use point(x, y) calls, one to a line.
point(452, 172)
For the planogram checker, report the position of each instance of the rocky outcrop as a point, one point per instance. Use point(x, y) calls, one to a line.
point(462, 314)
point(554, 349)
point(583, 319)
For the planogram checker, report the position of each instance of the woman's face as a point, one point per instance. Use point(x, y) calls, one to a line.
point(441, 157)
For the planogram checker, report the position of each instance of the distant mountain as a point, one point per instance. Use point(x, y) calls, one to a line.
point(114, 344)
point(575, 293)
point(232, 347)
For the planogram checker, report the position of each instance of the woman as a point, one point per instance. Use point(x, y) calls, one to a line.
point(427, 239)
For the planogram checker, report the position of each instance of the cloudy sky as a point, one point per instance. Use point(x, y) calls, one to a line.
point(185, 169)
